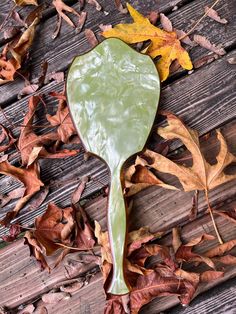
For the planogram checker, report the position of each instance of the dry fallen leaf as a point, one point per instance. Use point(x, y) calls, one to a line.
point(201, 175)
point(166, 23)
point(32, 146)
point(214, 15)
point(55, 297)
point(6, 139)
point(138, 177)
point(26, 2)
point(96, 4)
point(16, 193)
point(54, 226)
point(163, 44)
point(62, 119)
point(14, 231)
point(205, 43)
point(91, 37)
point(29, 177)
point(184, 252)
point(22, 46)
point(60, 7)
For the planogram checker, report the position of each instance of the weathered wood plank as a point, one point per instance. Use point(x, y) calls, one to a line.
point(59, 53)
point(19, 273)
point(221, 299)
point(200, 99)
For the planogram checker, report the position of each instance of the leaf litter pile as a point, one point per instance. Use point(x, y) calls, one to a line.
point(153, 269)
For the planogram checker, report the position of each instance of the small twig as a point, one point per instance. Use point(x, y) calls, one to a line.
point(212, 218)
point(74, 248)
point(199, 21)
point(27, 228)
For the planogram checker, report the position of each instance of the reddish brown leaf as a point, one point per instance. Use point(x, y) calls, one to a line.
point(36, 249)
point(153, 17)
point(62, 119)
point(54, 226)
point(221, 249)
point(29, 177)
point(79, 190)
point(84, 235)
point(184, 252)
point(210, 275)
point(152, 285)
point(31, 145)
point(7, 138)
point(17, 193)
point(91, 38)
point(227, 259)
point(14, 231)
point(138, 237)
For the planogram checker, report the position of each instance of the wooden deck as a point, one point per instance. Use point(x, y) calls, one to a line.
point(204, 98)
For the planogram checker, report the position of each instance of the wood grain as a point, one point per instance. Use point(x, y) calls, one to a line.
point(203, 100)
point(60, 52)
point(19, 273)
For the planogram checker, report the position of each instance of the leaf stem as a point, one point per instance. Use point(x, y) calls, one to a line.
point(73, 248)
point(212, 218)
point(199, 21)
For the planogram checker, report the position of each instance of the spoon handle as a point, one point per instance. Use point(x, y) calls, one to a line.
point(117, 233)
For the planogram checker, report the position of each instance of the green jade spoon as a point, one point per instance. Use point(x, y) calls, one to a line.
point(113, 93)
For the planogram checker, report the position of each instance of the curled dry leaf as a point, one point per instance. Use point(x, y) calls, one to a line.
point(7, 138)
point(8, 67)
point(17, 193)
point(184, 252)
point(36, 250)
point(75, 198)
point(31, 146)
point(153, 17)
point(60, 7)
point(205, 60)
point(176, 241)
point(163, 44)
point(210, 275)
point(120, 7)
point(81, 22)
point(54, 226)
point(152, 285)
point(138, 237)
point(27, 90)
point(29, 309)
point(62, 119)
point(205, 43)
point(26, 2)
point(21, 48)
point(96, 4)
point(29, 177)
point(91, 37)
point(139, 177)
point(166, 23)
point(221, 249)
point(14, 231)
point(214, 15)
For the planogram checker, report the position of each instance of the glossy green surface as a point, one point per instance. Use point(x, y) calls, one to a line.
point(113, 94)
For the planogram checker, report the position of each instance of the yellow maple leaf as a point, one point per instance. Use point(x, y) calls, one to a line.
point(164, 44)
